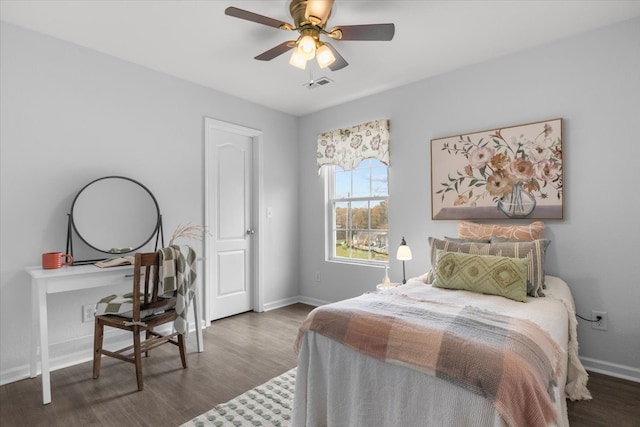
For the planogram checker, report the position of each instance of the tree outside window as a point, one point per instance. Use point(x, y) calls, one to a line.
point(358, 201)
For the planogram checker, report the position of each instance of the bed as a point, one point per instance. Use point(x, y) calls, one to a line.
point(378, 359)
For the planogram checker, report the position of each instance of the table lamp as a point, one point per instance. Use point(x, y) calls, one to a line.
point(404, 254)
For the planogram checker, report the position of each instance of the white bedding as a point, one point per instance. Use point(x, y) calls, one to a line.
point(337, 386)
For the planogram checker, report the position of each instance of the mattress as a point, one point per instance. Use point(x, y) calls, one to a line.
point(338, 386)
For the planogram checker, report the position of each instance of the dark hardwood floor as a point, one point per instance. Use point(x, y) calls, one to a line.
point(615, 402)
point(241, 352)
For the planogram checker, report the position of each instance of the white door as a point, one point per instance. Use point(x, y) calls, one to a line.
point(230, 274)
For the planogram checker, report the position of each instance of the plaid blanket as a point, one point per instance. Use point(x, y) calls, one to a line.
point(512, 362)
point(116, 304)
point(178, 274)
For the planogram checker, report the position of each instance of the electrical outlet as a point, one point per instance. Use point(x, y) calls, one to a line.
point(88, 312)
point(602, 323)
point(317, 276)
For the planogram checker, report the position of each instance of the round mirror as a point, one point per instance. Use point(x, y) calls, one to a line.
point(115, 215)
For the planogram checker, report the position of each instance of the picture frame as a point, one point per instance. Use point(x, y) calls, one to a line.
point(512, 172)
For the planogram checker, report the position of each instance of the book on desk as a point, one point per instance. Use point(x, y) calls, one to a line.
point(114, 262)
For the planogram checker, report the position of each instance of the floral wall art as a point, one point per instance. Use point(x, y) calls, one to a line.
point(511, 172)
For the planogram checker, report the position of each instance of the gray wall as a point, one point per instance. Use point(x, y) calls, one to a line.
point(70, 115)
point(593, 82)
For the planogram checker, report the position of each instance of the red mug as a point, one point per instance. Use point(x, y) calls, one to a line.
point(52, 260)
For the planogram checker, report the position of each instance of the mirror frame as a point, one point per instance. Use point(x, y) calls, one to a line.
point(157, 230)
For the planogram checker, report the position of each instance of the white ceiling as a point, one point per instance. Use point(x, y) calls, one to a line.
point(196, 41)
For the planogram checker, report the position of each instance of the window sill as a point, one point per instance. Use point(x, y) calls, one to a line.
point(360, 263)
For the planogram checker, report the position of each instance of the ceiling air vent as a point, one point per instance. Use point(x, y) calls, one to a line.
point(321, 81)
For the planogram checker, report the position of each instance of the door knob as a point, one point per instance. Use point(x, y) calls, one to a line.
point(250, 231)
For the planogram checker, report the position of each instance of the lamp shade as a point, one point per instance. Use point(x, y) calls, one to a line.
point(307, 47)
point(298, 60)
point(404, 252)
point(324, 56)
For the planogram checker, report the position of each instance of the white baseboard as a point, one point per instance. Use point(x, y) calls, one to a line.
point(280, 303)
point(294, 300)
point(312, 301)
point(611, 369)
point(69, 353)
point(15, 374)
point(80, 350)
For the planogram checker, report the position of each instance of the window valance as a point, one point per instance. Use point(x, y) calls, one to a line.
point(348, 147)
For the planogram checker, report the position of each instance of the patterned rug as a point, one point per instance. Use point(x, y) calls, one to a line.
point(269, 404)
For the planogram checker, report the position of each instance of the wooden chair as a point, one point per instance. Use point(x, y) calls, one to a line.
point(149, 311)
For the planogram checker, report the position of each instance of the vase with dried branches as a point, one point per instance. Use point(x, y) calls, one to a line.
point(188, 231)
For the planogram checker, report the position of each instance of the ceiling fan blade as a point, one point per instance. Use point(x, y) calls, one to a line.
point(372, 32)
point(340, 62)
point(254, 17)
point(276, 51)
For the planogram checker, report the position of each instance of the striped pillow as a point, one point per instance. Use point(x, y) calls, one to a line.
point(471, 230)
point(534, 250)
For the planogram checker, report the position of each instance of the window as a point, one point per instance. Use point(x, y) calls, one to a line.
point(358, 213)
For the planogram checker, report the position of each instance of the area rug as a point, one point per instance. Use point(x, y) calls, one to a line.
point(269, 404)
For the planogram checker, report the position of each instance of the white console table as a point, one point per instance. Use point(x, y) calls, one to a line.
point(69, 279)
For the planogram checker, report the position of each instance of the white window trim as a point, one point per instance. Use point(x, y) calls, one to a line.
point(328, 172)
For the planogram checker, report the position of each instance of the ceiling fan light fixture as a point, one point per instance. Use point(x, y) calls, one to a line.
point(298, 60)
point(307, 47)
point(324, 56)
point(310, 19)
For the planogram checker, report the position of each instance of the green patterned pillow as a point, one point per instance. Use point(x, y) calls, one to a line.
point(485, 274)
point(535, 250)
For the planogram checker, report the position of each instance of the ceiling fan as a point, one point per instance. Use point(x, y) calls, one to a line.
point(310, 19)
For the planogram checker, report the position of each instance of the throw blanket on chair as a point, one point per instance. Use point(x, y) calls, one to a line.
point(512, 362)
point(178, 274)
